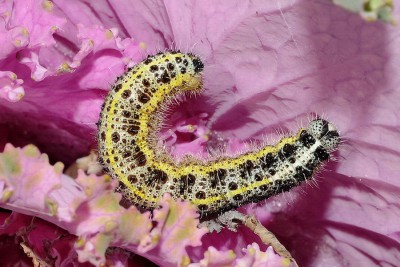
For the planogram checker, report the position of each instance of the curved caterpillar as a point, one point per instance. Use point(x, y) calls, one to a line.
point(127, 134)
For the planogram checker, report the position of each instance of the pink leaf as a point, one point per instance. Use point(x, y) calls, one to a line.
point(268, 66)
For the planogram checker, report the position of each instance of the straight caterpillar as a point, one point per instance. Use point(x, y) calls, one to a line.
point(130, 121)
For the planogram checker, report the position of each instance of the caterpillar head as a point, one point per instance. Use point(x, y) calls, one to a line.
point(325, 132)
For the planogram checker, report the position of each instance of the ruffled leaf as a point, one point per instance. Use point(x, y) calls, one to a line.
point(26, 172)
point(88, 208)
point(10, 86)
point(251, 256)
point(175, 230)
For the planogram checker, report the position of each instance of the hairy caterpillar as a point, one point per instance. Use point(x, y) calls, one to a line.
point(127, 134)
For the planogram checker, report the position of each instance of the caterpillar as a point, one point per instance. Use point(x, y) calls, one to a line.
point(131, 118)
